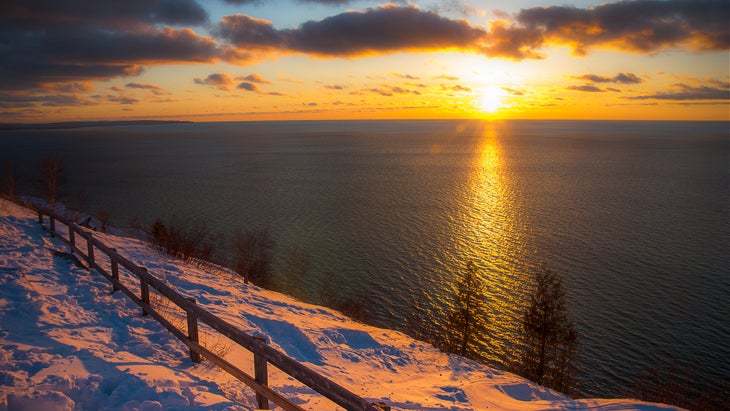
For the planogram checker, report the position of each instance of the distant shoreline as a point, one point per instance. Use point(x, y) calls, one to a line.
point(111, 123)
point(80, 124)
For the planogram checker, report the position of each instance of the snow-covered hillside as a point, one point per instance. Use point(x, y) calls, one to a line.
point(67, 344)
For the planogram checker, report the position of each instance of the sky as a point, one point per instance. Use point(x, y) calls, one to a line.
point(235, 60)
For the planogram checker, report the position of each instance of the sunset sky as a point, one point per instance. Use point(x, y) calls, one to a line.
point(337, 59)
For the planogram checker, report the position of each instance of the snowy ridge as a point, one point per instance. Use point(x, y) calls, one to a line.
point(67, 344)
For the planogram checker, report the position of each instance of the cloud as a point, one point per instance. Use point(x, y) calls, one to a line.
point(621, 78)
point(82, 87)
point(684, 92)
point(458, 88)
point(513, 91)
point(643, 26)
point(404, 76)
point(446, 77)
point(380, 30)
point(144, 86)
point(122, 99)
point(249, 32)
point(154, 89)
point(335, 87)
point(221, 81)
point(244, 2)
point(23, 100)
point(255, 78)
point(640, 26)
point(256, 2)
point(118, 15)
point(248, 86)
point(54, 42)
point(511, 41)
point(387, 91)
point(587, 87)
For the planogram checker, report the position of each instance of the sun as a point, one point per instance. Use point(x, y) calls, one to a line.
point(491, 99)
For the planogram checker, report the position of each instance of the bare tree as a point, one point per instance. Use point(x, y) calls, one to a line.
point(297, 266)
point(53, 178)
point(103, 216)
point(549, 338)
point(253, 256)
point(468, 320)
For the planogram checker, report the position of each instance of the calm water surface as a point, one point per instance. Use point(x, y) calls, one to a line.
point(634, 215)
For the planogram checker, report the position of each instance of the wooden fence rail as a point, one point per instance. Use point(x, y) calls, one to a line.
point(263, 353)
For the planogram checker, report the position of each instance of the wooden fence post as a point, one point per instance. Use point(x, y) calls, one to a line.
point(115, 269)
point(53, 225)
point(89, 250)
point(145, 291)
point(193, 330)
point(40, 217)
point(261, 375)
point(71, 239)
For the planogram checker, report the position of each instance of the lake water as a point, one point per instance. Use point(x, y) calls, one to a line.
point(634, 215)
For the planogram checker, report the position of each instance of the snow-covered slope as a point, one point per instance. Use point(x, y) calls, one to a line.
point(66, 343)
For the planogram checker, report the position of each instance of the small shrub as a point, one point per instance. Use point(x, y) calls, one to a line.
point(355, 308)
point(253, 256)
point(103, 217)
point(329, 289)
point(182, 238)
point(297, 266)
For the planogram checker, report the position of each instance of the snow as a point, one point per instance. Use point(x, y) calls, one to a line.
point(67, 343)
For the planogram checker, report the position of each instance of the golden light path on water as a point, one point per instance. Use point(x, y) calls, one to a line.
point(492, 237)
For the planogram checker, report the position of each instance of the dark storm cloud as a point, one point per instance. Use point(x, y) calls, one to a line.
point(645, 26)
point(620, 78)
point(640, 26)
point(64, 41)
point(249, 32)
point(118, 14)
point(380, 30)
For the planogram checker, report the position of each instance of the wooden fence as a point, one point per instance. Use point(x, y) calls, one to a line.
point(263, 354)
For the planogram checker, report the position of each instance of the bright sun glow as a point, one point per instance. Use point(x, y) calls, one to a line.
point(491, 99)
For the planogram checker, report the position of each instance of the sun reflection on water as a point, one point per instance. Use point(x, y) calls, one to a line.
point(492, 238)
